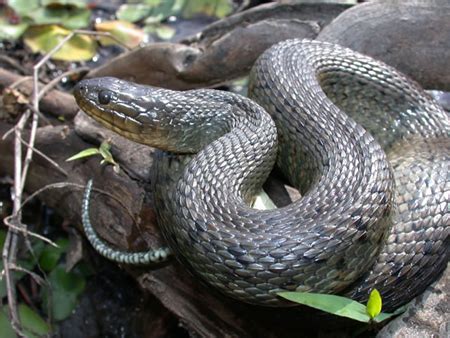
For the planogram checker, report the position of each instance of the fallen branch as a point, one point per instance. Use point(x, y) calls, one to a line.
point(225, 50)
point(55, 102)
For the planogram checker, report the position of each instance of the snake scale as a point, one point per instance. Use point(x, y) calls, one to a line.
point(365, 145)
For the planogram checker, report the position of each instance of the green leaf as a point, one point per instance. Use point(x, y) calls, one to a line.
point(127, 33)
point(74, 3)
point(50, 255)
point(384, 315)
point(11, 32)
point(27, 262)
point(337, 305)
point(5, 324)
point(374, 304)
point(45, 38)
point(133, 12)
point(33, 324)
point(22, 7)
point(217, 8)
point(65, 287)
point(77, 19)
point(84, 153)
point(106, 153)
point(72, 18)
point(164, 32)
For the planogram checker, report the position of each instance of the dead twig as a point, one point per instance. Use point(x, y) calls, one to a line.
point(9, 254)
point(54, 82)
point(38, 279)
point(37, 151)
point(13, 63)
point(22, 229)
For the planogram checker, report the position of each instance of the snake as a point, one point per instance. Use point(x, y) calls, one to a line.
point(365, 145)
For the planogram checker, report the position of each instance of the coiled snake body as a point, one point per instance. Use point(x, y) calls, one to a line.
point(365, 220)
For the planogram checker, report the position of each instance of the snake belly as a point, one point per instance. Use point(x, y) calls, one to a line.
point(367, 148)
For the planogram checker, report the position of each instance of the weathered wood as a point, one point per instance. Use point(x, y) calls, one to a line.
point(112, 220)
point(201, 310)
point(55, 102)
point(205, 313)
point(412, 36)
point(223, 51)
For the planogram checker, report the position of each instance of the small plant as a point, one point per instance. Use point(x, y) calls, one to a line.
point(59, 289)
point(103, 150)
point(344, 307)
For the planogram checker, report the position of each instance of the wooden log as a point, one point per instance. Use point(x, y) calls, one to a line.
point(412, 36)
point(112, 220)
point(223, 51)
point(55, 102)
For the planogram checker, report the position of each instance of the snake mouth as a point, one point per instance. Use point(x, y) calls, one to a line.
point(104, 101)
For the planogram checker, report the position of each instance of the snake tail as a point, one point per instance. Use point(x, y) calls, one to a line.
point(134, 258)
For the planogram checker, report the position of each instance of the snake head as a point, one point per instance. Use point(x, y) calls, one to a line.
point(134, 111)
point(181, 122)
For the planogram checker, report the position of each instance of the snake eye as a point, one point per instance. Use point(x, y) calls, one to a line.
point(104, 96)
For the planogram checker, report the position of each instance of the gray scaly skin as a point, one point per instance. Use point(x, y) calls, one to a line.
point(348, 233)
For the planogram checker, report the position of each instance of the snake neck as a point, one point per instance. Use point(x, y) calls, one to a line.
point(178, 122)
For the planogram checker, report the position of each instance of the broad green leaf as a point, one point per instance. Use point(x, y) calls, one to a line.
point(77, 19)
point(72, 18)
point(65, 287)
point(33, 324)
point(153, 3)
point(28, 262)
point(127, 33)
point(46, 16)
point(45, 38)
point(337, 305)
point(5, 324)
point(22, 7)
point(11, 32)
point(74, 3)
point(383, 315)
point(133, 12)
point(84, 153)
point(50, 255)
point(164, 32)
point(162, 9)
point(374, 304)
point(218, 8)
